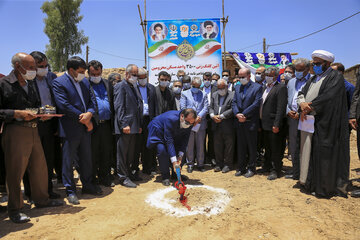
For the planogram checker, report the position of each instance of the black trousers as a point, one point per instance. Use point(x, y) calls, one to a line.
point(2, 166)
point(58, 157)
point(246, 145)
point(148, 156)
point(273, 148)
point(47, 139)
point(102, 150)
point(126, 147)
point(209, 144)
point(224, 148)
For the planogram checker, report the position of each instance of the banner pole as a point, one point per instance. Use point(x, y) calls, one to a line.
point(223, 20)
point(145, 45)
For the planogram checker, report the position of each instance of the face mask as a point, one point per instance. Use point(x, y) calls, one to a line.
point(186, 86)
point(194, 90)
point(243, 81)
point(180, 78)
point(42, 71)
point(95, 79)
point(226, 78)
point(143, 82)
point(177, 90)
point(183, 124)
point(237, 83)
point(164, 83)
point(222, 92)
point(287, 76)
point(132, 79)
point(29, 75)
point(258, 78)
point(214, 82)
point(318, 69)
point(80, 77)
point(207, 83)
point(299, 75)
point(269, 79)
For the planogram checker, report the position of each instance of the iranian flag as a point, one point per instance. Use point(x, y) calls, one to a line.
point(161, 49)
point(206, 47)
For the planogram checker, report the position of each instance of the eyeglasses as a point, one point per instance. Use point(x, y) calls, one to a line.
point(188, 123)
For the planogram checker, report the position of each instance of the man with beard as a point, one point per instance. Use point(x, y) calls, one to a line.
point(326, 146)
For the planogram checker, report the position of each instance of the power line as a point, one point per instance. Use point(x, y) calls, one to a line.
point(110, 54)
point(255, 44)
point(277, 44)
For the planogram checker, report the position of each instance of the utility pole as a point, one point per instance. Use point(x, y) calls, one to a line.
point(145, 23)
point(264, 45)
point(87, 54)
point(224, 21)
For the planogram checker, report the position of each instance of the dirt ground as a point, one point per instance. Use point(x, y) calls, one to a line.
point(259, 209)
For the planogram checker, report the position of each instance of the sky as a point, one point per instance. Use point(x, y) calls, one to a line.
point(113, 27)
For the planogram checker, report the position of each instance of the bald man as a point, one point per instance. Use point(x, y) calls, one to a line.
point(21, 142)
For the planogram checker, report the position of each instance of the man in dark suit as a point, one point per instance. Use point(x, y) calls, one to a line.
point(165, 99)
point(169, 134)
point(74, 99)
point(101, 137)
point(222, 126)
point(148, 96)
point(246, 106)
point(48, 126)
point(272, 113)
point(128, 123)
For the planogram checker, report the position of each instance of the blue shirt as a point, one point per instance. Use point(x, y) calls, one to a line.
point(44, 92)
point(102, 101)
point(143, 92)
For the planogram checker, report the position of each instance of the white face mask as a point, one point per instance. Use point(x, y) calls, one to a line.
point(164, 83)
point(258, 77)
point(176, 90)
point(287, 76)
point(222, 92)
point(269, 79)
point(226, 78)
point(132, 79)
point(207, 83)
point(214, 82)
point(243, 81)
point(95, 79)
point(143, 82)
point(80, 77)
point(41, 72)
point(29, 75)
point(183, 124)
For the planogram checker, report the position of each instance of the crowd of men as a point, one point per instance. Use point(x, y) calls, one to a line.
point(109, 126)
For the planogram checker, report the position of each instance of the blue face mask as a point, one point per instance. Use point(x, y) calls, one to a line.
point(299, 75)
point(186, 86)
point(194, 90)
point(237, 83)
point(318, 69)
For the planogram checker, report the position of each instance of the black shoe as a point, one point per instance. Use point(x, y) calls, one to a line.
point(73, 199)
point(19, 218)
point(263, 170)
point(201, 169)
point(272, 176)
point(50, 203)
point(298, 185)
point(128, 183)
point(166, 182)
point(355, 193)
point(135, 177)
point(289, 176)
point(54, 195)
point(92, 191)
point(3, 209)
point(217, 169)
point(190, 169)
point(239, 173)
point(107, 183)
point(225, 169)
point(249, 174)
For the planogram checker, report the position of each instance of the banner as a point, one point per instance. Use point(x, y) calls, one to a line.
point(255, 60)
point(190, 45)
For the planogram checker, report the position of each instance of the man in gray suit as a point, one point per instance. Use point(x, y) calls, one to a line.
point(128, 122)
point(196, 99)
point(302, 67)
point(221, 113)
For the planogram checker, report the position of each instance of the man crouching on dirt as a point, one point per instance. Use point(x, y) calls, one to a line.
point(169, 134)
